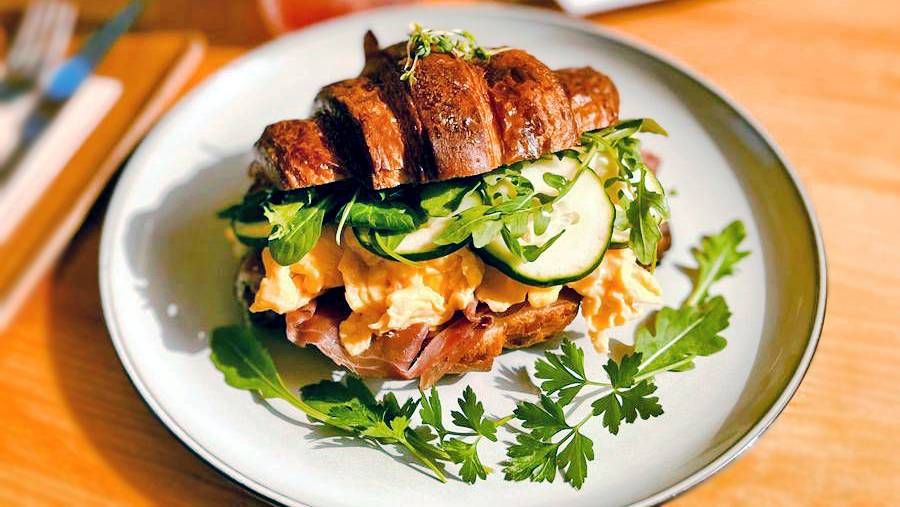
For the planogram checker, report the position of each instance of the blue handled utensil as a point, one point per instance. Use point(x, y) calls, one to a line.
point(69, 77)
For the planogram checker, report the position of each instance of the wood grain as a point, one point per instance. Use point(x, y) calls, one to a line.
point(823, 77)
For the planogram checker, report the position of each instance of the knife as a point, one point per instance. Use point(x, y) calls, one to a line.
point(69, 77)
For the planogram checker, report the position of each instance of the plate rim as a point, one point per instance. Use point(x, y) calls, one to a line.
point(533, 14)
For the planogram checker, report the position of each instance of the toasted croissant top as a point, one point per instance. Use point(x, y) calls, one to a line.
point(460, 118)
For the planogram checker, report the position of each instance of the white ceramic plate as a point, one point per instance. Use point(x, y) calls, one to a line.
point(166, 275)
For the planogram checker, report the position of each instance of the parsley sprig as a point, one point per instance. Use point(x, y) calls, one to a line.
point(548, 440)
point(421, 42)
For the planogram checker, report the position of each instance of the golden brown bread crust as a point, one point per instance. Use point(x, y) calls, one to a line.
point(592, 95)
point(530, 107)
point(365, 131)
point(384, 67)
point(296, 154)
point(460, 118)
point(518, 327)
point(451, 98)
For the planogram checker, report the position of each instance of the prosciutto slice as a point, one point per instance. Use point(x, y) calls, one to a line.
point(470, 342)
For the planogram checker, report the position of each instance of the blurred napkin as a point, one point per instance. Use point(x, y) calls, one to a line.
point(586, 7)
point(24, 183)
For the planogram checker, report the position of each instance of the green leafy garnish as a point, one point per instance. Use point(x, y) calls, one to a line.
point(677, 336)
point(387, 216)
point(629, 397)
point(422, 42)
point(471, 415)
point(562, 373)
point(547, 442)
point(645, 214)
point(442, 198)
point(296, 228)
point(250, 209)
point(466, 454)
point(639, 210)
point(716, 258)
point(247, 365)
point(536, 455)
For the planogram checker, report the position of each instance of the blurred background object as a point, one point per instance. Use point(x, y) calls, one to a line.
point(253, 21)
point(64, 129)
point(39, 45)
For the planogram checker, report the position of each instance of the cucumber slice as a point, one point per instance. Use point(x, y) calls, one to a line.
point(419, 245)
point(255, 234)
point(585, 213)
point(415, 246)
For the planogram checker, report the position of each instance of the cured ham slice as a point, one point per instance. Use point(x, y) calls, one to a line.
point(470, 342)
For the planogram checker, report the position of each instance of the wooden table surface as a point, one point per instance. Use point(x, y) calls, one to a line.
point(823, 77)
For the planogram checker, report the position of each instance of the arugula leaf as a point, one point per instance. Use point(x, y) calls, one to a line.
point(343, 214)
point(471, 415)
point(545, 419)
point(295, 229)
point(237, 352)
point(678, 336)
point(517, 223)
point(574, 457)
point(531, 458)
point(387, 244)
point(628, 399)
point(645, 214)
point(717, 256)
point(466, 453)
point(532, 252)
point(555, 181)
point(461, 227)
point(250, 209)
point(484, 232)
point(562, 373)
point(540, 219)
point(441, 199)
point(387, 216)
point(627, 128)
point(638, 210)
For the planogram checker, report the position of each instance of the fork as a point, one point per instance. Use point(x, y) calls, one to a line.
point(39, 45)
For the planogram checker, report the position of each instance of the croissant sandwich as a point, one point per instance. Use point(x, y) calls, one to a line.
point(449, 202)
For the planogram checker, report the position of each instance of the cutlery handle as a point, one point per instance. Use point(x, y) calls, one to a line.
point(72, 73)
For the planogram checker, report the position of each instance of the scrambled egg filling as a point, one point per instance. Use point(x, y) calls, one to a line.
point(611, 294)
point(499, 292)
point(386, 295)
point(287, 288)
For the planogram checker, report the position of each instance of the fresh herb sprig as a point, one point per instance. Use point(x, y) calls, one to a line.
point(639, 209)
point(421, 42)
point(350, 408)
